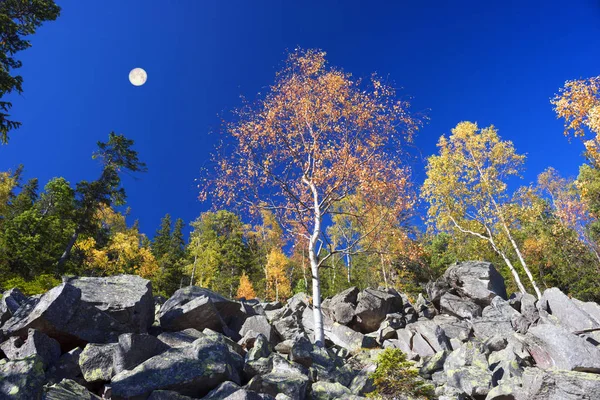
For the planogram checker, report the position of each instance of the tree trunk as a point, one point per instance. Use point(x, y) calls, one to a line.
point(349, 265)
point(304, 270)
point(516, 248)
point(67, 252)
point(314, 266)
point(510, 266)
point(193, 270)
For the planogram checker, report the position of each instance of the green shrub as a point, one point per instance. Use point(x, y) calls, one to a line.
point(40, 284)
point(395, 376)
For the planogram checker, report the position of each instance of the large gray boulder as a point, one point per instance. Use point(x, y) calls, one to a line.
point(231, 391)
point(459, 307)
point(191, 371)
point(126, 298)
point(96, 362)
point(294, 385)
point(260, 324)
point(135, 348)
point(36, 343)
point(554, 347)
point(475, 280)
point(559, 385)
point(349, 339)
point(340, 308)
point(21, 379)
point(329, 391)
point(199, 308)
point(9, 303)
point(372, 307)
point(62, 315)
point(467, 370)
point(569, 314)
point(67, 367)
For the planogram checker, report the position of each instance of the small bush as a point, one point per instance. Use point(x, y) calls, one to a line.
point(40, 284)
point(396, 376)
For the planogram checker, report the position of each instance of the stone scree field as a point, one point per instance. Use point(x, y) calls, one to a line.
point(93, 338)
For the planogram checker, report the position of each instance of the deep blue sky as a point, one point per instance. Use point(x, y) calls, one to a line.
point(487, 61)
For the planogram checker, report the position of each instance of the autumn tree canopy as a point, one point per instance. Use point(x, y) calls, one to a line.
point(578, 103)
point(466, 189)
point(316, 137)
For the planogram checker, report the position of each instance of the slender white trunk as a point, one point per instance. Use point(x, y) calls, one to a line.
point(314, 266)
point(349, 265)
point(509, 264)
point(527, 271)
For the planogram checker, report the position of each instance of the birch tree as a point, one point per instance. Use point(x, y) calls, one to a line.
point(466, 189)
point(316, 137)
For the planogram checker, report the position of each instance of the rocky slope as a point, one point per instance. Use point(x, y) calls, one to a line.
point(93, 338)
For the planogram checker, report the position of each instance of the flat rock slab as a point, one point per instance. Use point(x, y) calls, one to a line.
point(68, 390)
point(559, 385)
point(126, 298)
point(198, 308)
point(61, 315)
point(553, 347)
point(191, 371)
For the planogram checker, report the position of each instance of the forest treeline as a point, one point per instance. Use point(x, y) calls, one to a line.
point(313, 191)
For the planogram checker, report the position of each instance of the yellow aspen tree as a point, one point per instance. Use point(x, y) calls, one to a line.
point(278, 282)
point(316, 137)
point(466, 189)
point(245, 289)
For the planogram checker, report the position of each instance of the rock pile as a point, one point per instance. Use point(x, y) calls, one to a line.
point(93, 338)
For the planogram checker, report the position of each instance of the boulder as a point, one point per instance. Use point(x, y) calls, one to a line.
point(475, 280)
point(294, 385)
point(135, 348)
point(454, 328)
point(60, 314)
point(126, 298)
point(194, 307)
point(329, 391)
point(404, 342)
point(554, 347)
point(424, 307)
point(459, 307)
point(38, 343)
point(97, 362)
point(568, 313)
point(67, 367)
point(301, 351)
point(372, 307)
point(347, 338)
point(468, 371)
point(261, 349)
point(68, 389)
point(541, 384)
point(499, 318)
point(191, 371)
point(340, 308)
point(260, 324)
point(432, 333)
point(9, 303)
point(21, 379)
point(433, 364)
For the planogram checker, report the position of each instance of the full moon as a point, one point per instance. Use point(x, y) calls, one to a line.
point(137, 77)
